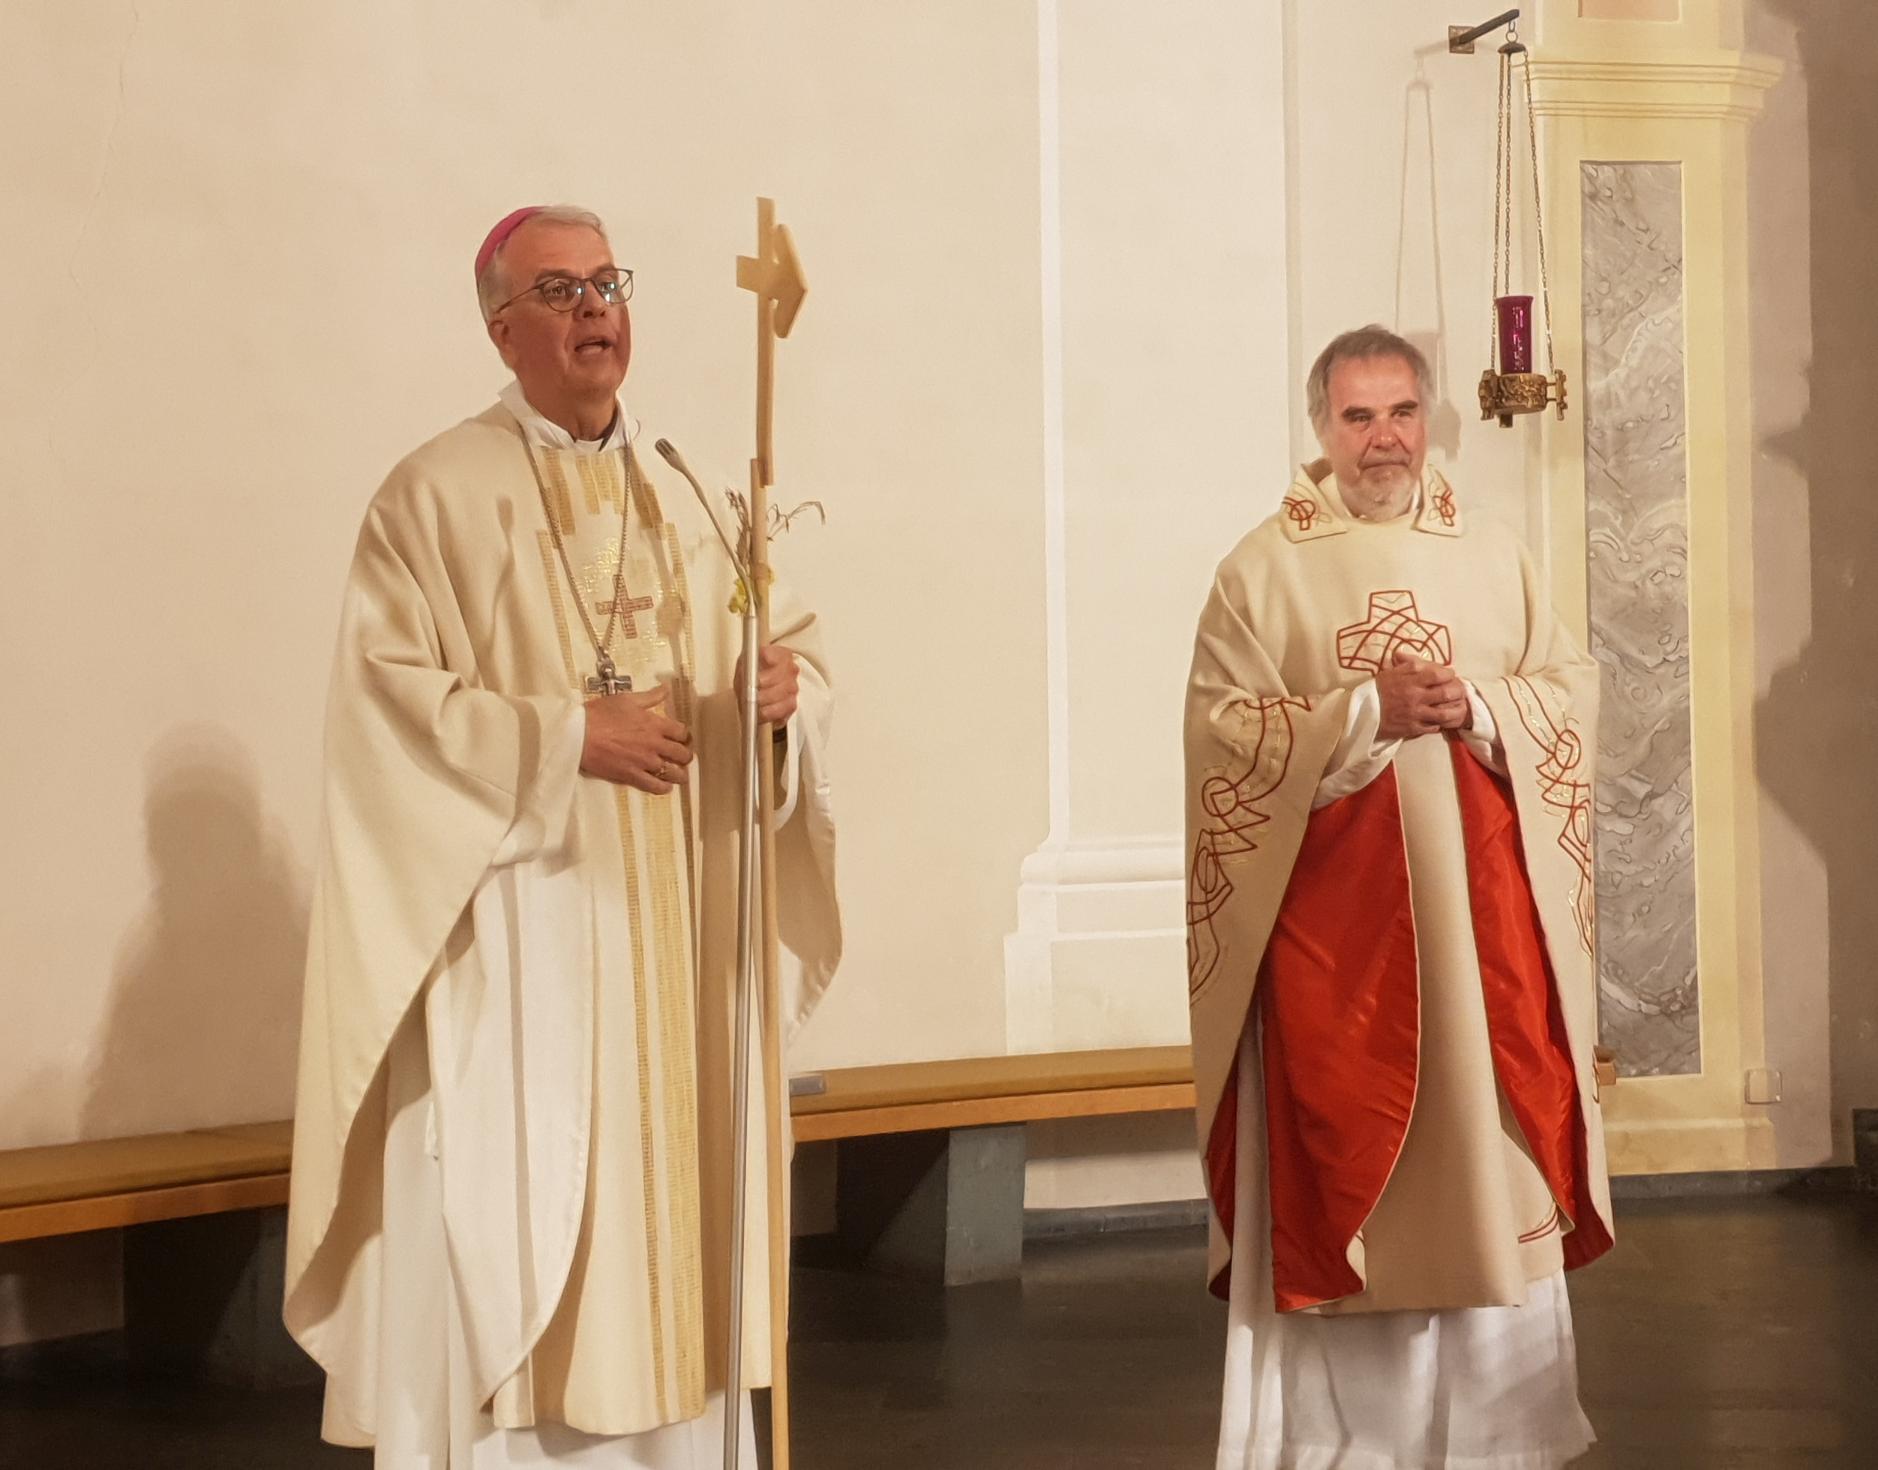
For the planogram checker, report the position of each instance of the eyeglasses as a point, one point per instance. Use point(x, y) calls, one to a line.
point(563, 293)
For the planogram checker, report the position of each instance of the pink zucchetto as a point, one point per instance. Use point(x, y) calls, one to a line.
point(506, 226)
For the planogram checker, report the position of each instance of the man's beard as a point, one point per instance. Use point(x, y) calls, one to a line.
point(1381, 492)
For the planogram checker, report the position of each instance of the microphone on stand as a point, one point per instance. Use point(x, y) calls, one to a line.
point(669, 453)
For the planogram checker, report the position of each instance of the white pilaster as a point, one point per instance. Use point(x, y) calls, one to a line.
point(1166, 402)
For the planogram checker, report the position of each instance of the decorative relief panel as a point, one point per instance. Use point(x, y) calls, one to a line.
point(1637, 538)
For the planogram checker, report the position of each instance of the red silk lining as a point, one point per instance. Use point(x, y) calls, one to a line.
point(1531, 1048)
point(1340, 1010)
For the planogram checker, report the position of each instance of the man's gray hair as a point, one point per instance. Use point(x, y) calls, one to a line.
point(492, 286)
point(1361, 344)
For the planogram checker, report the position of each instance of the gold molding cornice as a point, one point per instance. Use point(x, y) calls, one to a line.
point(1729, 85)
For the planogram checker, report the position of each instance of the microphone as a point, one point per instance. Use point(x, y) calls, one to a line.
point(669, 453)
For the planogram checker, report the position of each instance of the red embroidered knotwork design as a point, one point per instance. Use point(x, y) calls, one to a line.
point(1232, 820)
point(1444, 506)
point(1395, 625)
point(1303, 512)
point(1563, 758)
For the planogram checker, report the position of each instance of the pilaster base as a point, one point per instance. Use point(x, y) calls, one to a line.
point(1099, 956)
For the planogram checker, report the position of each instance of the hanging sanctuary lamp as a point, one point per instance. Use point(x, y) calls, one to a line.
point(1510, 385)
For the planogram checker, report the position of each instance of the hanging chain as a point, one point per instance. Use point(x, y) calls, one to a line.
point(1538, 216)
point(1501, 210)
point(602, 647)
point(1506, 124)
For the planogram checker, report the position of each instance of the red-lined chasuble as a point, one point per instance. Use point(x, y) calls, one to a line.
point(1415, 955)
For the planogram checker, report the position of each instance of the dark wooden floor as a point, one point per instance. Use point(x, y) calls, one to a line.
point(1724, 1334)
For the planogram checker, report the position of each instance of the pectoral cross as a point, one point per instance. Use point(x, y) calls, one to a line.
point(605, 679)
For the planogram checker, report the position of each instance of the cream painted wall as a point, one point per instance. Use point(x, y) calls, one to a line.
point(1176, 384)
point(1646, 10)
point(1796, 927)
point(1165, 410)
point(1293, 170)
point(1394, 219)
point(289, 196)
point(236, 288)
point(1813, 190)
point(1346, 132)
point(1167, 406)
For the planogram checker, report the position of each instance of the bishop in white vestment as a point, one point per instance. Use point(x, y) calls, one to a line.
point(509, 1232)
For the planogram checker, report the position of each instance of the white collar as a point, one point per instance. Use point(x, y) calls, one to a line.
point(543, 430)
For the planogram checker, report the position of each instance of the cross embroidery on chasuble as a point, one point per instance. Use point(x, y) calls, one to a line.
point(596, 577)
point(628, 605)
point(1394, 625)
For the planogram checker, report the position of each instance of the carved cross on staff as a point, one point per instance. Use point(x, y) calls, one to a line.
point(775, 275)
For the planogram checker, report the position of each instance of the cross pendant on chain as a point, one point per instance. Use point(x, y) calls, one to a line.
point(605, 680)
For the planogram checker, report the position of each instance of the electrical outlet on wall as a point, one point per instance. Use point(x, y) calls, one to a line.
point(1763, 1085)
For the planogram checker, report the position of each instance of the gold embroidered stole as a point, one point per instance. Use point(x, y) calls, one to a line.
point(661, 1239)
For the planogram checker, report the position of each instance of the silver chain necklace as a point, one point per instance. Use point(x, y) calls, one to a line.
point(606, 679)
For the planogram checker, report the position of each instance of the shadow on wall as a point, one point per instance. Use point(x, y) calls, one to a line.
point(1418, 277)
point(204, 1015)
point(1818, 726)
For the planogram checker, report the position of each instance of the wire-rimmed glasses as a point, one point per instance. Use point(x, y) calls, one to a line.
point(564, 293)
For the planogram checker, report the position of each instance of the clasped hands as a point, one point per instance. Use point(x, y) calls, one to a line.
point(1420, 698)
point(632, 739)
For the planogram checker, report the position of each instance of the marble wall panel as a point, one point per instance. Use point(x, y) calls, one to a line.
point(1637, 490)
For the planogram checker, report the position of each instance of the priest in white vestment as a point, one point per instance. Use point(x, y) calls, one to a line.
point(508, 1242)
point(1389, 740)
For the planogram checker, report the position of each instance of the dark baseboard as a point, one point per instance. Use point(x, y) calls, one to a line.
point(1177, 1214)
point(1737, 1182)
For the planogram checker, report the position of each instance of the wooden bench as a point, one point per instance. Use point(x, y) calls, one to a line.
point(201, 1295)
point(930, 1170)
point(929, 1174)
point(946, 1201)
point(68, 1188)
point(856, 1102)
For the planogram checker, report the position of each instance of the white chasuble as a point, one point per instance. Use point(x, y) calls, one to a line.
point(549, 955)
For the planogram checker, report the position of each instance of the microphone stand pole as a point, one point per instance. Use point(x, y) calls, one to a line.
point(775, 276)
point(755, 838)
point(747, 848)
